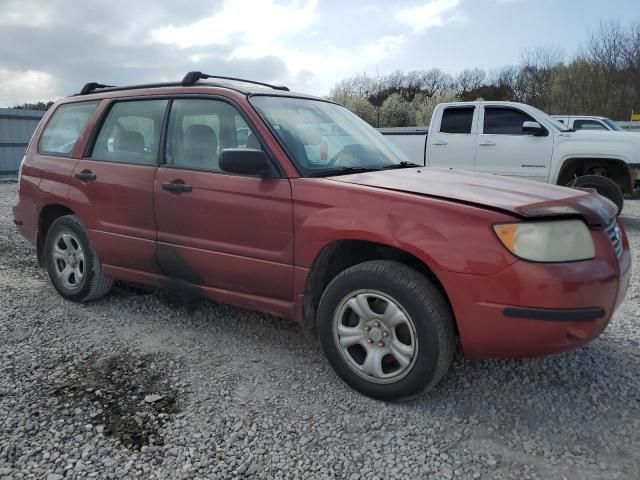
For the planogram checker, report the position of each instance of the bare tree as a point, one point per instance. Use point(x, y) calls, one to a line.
point(537, 73)
point(603, 78)
point(469, 80)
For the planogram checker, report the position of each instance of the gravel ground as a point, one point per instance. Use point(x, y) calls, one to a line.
point(134, 385)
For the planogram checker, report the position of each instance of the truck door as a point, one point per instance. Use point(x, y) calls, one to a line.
point(504, 149)
point(453, 142)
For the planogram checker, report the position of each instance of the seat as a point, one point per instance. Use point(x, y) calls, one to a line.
point(200, 147)
point(129, 141)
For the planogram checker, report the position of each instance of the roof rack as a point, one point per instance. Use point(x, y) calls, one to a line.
point(91, 86)
point(189, 79)
point(192, 77)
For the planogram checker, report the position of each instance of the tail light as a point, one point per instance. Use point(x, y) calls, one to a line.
point(20, 172)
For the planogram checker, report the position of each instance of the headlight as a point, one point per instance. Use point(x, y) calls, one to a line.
point(550, 241)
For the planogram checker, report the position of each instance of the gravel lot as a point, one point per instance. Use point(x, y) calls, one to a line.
point(135, 385)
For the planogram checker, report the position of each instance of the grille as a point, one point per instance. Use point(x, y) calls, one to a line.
point(615, 237)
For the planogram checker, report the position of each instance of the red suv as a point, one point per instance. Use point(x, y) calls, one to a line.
point(246, 193)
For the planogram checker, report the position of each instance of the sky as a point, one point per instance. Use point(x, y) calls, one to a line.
point(50, 48)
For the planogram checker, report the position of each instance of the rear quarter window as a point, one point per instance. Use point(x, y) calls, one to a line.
point(64, 127)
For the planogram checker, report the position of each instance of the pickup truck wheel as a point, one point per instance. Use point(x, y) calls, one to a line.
point(604, 186)
point(386, 330)
point(73, 266)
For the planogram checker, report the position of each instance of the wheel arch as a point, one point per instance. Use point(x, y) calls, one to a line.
point(48, 214)
point(618, 170)
point(339, 255)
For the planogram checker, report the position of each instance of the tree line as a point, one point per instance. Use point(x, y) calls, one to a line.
point(602, 78)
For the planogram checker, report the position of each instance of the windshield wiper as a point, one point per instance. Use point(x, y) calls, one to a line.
point(402, 164)
point(343, 171)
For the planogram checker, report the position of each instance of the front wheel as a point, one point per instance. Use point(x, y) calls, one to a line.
point(386, 330)
point(604, 186)
point(73, 265)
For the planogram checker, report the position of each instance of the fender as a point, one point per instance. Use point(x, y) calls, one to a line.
point(326, 211)
point(569, 146)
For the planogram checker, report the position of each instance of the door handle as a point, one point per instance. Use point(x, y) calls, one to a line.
point(86, 176)
point(176, 187)
point(487, 144)
point(439, 142)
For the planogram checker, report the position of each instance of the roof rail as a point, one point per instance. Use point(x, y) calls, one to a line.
point(91, 86)
point(192, 77)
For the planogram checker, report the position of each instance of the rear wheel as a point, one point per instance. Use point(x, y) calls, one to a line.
point(73, 266)
point(604, 186)
point(386, 330)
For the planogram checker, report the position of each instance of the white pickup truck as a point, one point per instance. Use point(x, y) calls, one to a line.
point(518, 140)
point(588, 122)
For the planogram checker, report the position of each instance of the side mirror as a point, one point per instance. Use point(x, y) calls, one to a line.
point(246, 161)
point(533, 128)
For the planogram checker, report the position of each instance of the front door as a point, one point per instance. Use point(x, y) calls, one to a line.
point(228, 233)
point(112, 188)
point(504, 149)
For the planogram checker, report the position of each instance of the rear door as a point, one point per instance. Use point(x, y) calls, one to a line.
point(504, 149)
point(112, 185)
point(229, 233)
point(453, 143)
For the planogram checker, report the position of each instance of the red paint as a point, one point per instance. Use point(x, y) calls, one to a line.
point(253, 242)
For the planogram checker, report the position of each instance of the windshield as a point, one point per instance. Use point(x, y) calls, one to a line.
point(613, 125)
point(326, 139)
point(556, 123)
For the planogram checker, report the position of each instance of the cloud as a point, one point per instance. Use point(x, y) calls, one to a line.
point(249, 23)
point(25, 86)
point(59, 46)
point(251, 30)
point(431, 14)
point(29, 13)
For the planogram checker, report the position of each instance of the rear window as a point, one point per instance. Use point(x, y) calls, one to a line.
point(457, 120)
point(62, 132)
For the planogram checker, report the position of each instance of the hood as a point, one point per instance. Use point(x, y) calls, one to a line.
point(523, 198)
point(631, 138)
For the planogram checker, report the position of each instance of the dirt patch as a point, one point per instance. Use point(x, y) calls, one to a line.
point(124, 396)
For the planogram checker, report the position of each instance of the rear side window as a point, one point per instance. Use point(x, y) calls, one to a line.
point(62, 132)
point(457, 120)
point(504, 121)
point(131, 132)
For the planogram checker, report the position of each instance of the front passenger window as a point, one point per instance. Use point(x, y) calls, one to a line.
point(200, 129)
point(504, 121)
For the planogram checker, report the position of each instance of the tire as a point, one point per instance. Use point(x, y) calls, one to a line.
point(72, 264)
point(402, 353)
point(604, 186)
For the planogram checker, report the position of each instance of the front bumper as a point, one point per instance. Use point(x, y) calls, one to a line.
point(532, 309)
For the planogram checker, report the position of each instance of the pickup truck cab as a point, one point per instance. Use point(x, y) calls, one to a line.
point(588, 122)
point(288, 204)
point(518, 140)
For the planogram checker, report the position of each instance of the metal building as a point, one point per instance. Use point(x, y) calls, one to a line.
point(16, 128)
